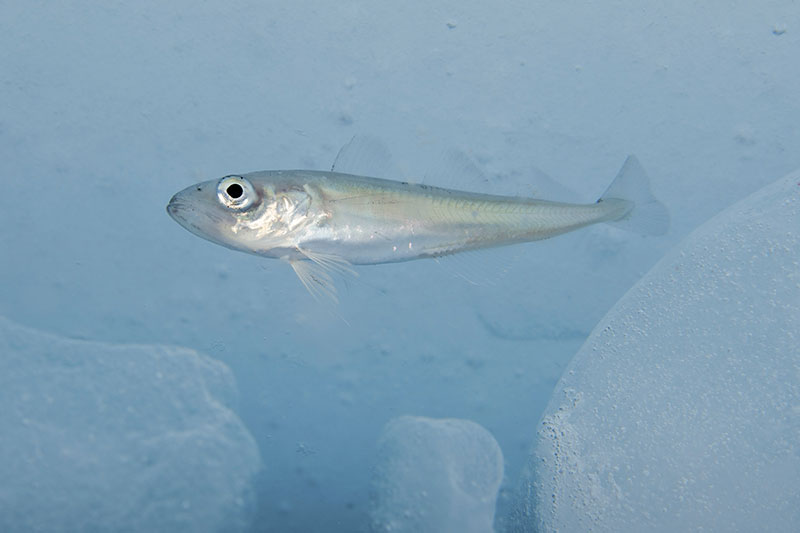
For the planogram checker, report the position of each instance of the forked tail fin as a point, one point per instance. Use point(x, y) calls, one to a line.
point(648, 216)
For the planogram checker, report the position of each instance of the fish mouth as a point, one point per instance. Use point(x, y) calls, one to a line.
point(204, 223)
point(183, 215)
point(175, 206)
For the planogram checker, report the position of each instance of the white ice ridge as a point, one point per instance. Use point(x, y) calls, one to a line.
point(104, 437)
point(436, 475)
point(682, 410)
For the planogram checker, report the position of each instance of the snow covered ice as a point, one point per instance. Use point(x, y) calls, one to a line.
point(436, 475)
point(682, 410)
point(104, 437)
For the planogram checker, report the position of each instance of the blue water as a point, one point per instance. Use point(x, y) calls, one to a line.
point(109, 108)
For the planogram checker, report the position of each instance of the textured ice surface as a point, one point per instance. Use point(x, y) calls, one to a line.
point(436, 475)
point(118, 438)
point(682, 410)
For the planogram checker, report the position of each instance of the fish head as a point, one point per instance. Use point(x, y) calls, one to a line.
point(252, 214)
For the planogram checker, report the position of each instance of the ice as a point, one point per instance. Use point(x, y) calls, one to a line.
point(103, 437)
point(682, 410)
point(436, 475)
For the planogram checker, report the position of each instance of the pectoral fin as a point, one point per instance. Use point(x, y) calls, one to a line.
point(315, 279)
point(315, 273)
point(330, 262)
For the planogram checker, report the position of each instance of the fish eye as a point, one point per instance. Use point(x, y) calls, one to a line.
point(236, 192)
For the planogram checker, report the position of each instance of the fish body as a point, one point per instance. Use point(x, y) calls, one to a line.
point(322, 221)
point(366, 220)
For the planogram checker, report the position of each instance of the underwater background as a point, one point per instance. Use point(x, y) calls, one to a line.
point(152, 381)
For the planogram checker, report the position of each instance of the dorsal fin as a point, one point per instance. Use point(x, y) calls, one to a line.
point(454, 169)
point(531, 181)
point(365, 155)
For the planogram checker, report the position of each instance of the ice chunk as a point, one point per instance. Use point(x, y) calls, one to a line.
point(101, 437)
point(436, 475)
point(682, 410)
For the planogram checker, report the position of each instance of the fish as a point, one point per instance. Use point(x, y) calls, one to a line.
point(326, 222)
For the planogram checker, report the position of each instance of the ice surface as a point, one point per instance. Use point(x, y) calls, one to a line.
point(436, 475)
point(682, 410)
point(103, 437)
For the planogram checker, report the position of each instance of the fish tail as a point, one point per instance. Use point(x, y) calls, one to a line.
point(641, 212)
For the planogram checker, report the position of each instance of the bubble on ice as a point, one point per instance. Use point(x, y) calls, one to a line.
point(103, 437)
point(436, 475)
point(682, 410)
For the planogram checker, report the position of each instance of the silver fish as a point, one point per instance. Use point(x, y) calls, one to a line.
point(324, 222)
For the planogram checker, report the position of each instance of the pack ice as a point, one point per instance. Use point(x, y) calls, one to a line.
point(682, 410)
point(101, 437)
point(436, 475)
